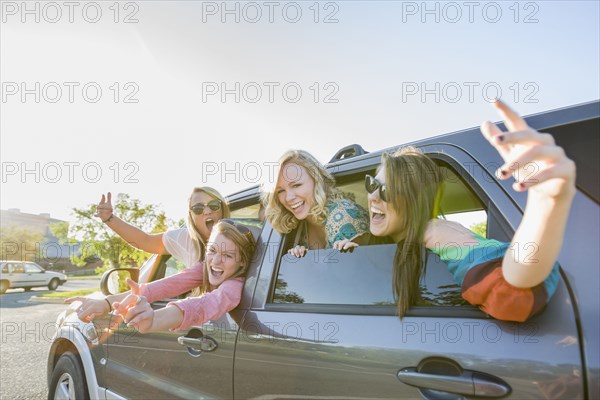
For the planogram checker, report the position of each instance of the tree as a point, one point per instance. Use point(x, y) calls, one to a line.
point(480, 228)
point(98, 240)
point(18, 243)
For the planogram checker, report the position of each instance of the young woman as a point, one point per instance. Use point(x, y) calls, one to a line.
point(305, 199)
point(508, 281)
point(229, 251)
point(206, 207)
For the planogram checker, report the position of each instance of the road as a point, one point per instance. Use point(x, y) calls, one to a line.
point(26, 332)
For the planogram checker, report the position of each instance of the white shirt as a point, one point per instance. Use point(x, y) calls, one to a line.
point(181, 246)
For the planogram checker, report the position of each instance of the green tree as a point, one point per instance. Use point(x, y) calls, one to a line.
point(480, 228)
point(98, 240)
point(19, 243)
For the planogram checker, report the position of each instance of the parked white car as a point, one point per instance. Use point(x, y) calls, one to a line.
point(27, 274)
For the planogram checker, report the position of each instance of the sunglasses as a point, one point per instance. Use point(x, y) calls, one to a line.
point(372, 184)
point(198, 209)
point(241, 228)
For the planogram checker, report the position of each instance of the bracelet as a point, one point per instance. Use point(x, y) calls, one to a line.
point(107, 220)
point(109, 306)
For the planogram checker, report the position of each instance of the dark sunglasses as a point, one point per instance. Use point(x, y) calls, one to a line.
point(372, 184)
point(241, 228)
point(198, 209)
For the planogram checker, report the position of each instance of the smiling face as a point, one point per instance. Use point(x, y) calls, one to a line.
point(295, 190)
point(385, 220)
point(223, 259)
point(205, 221)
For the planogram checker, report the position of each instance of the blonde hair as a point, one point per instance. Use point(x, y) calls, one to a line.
point(199, 243)
point(413, 183)
point(243, 241)
point(282, 220)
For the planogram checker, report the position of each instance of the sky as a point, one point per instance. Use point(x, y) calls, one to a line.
point(152, 98)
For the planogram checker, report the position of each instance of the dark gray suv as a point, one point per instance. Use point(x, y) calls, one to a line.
point(324, 326)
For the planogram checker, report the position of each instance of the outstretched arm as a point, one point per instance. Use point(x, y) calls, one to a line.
point(541, 168)
point(134, 236)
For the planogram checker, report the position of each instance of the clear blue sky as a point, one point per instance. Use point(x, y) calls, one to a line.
point(370, 62)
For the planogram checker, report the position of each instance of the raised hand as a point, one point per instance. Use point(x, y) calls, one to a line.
point(531, 157)
point(89, 308)
point(135, 309)
point(104, 209)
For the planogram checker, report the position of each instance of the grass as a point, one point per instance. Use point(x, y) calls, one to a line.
point(64, 295)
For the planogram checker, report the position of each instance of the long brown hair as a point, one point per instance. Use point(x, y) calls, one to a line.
point(243, 241)
point(413, 183)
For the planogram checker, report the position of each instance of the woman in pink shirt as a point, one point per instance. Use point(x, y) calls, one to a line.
point(228, 254)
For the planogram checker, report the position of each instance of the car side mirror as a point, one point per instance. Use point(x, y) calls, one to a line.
point(114, 280)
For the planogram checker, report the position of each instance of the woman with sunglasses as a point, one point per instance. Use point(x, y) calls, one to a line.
point(220, 276)
point(206, 208)
point(510, 281)
point(305, 199)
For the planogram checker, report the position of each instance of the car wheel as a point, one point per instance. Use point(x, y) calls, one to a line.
point(68, 380)
point(3, 286)
point(53, 284)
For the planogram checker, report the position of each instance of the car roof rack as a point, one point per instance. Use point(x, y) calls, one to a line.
point(353, 150)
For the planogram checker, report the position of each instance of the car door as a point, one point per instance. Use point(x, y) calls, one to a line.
point(325, 326)
point(17, 275)
point(35, 275)
point(161, 365)
point(193, 363)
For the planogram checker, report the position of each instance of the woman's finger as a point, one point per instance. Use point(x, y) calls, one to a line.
point(73, 299)
point(528, 136)
point(490, 131)
point(135, 287)
point(146, 314)
point(563, 169)
point(349, 245)
point(536, 158)
point(108, 200)
point(512, 120)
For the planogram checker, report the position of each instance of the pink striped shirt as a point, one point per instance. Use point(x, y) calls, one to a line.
point(196, 310)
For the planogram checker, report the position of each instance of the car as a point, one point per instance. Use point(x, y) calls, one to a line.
point(27, 275)
point(325, 325)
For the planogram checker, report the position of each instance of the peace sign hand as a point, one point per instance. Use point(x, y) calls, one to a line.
point(532, 158)
point(104, 209)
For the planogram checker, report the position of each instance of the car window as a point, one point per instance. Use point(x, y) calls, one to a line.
point(359, 278)
point(32, 268)
point(173, 266)
point(5, 268)
point(17, 268)
point(364, 277)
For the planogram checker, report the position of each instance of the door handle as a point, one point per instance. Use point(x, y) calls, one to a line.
point(196, 342)
point(469, 383)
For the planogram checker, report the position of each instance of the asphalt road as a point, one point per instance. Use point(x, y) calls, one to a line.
point(26, 333)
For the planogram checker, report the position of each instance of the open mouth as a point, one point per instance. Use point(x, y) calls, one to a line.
point(297, 207)
point(377, 215)
point(209, 224)
point(216, 272)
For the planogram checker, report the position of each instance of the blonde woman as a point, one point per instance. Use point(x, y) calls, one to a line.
point(306, 200)
point(206, 207)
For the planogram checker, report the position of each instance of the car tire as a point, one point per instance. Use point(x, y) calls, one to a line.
point(3, 286)
point(53, 284)
point(68, 379)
